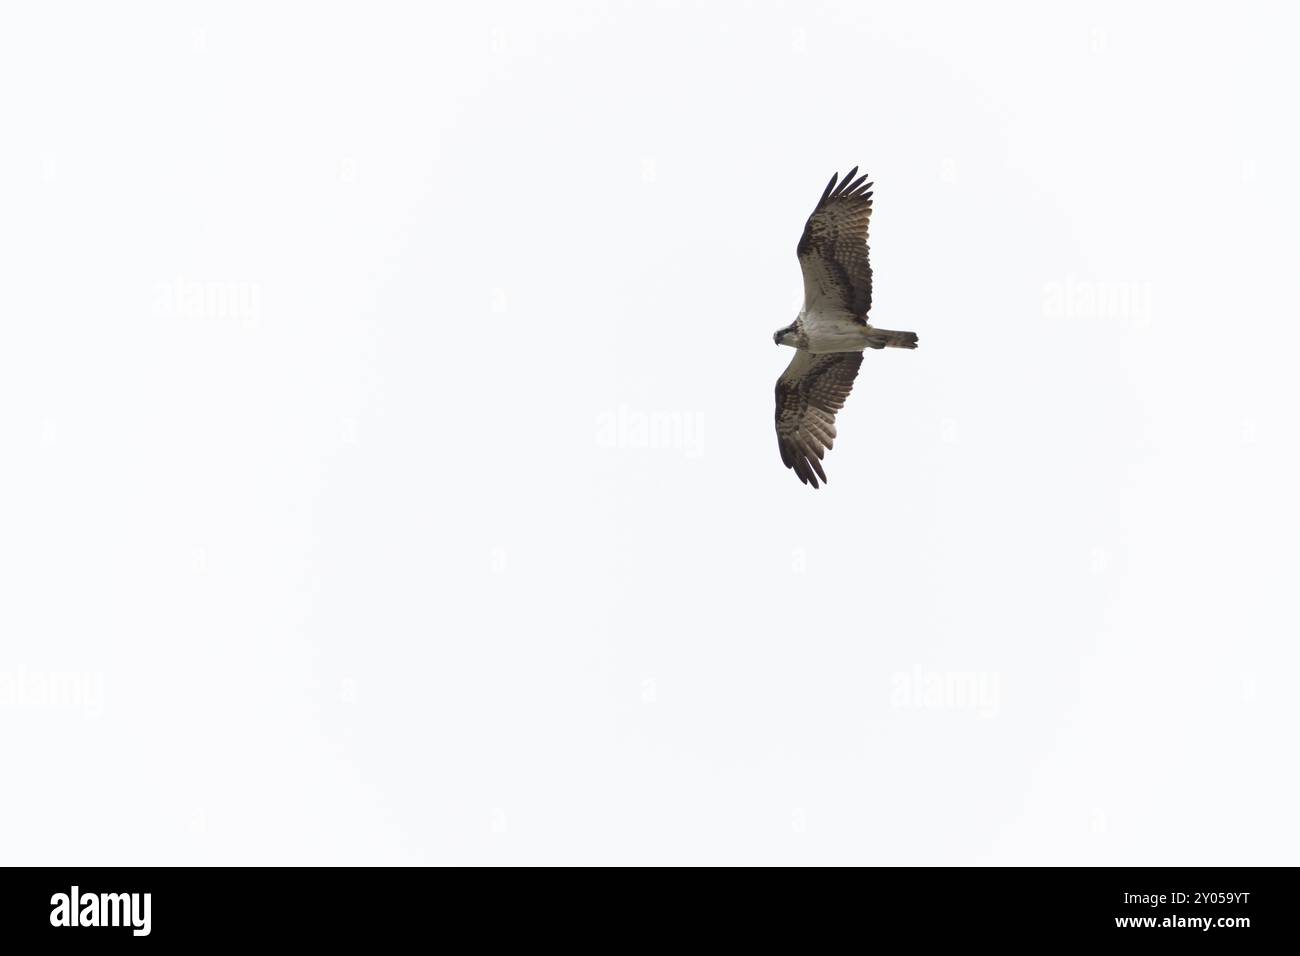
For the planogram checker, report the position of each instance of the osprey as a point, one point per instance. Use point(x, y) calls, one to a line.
point(831, 330)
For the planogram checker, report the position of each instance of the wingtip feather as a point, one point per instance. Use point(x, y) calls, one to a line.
point(829, 186)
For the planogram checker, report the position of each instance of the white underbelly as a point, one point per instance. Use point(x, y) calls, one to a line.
point(834, 333)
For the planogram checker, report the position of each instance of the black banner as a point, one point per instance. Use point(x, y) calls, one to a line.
point(94, 906)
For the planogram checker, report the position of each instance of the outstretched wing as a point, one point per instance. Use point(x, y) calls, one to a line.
point(808, 394)
point(833, 250)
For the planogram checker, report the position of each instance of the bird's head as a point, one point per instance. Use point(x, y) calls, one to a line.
point(787, 335)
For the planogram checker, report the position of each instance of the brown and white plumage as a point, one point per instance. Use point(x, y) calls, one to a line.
point(833, 249)
point(809, 393)
point(832, 329)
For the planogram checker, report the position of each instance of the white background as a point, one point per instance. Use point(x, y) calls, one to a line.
point(334, 530)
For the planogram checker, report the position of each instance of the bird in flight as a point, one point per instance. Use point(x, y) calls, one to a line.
point(831, 330)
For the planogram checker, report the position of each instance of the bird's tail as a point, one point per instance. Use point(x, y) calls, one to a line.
point(885, 339)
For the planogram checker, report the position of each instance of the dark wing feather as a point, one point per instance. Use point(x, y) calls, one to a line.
point(833, 250)
point(808, 394)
